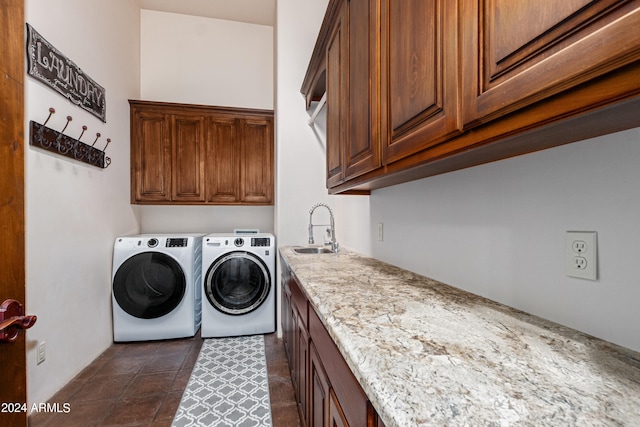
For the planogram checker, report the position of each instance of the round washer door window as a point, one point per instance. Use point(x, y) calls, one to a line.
point(237, 283)
point(149, 285)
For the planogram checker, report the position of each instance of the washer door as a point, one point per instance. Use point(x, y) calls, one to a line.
point(237, 283)
point(149, 285)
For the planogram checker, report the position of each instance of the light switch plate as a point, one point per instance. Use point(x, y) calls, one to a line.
point(581, 254)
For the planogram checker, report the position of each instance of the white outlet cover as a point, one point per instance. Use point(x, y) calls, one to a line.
point(581, 245)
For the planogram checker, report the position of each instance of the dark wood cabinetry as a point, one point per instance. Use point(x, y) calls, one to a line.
point(151, 181)
point(188, 154)
point(517, 53)
point(351, 80)
point(337, 101)
point(419, 63)
point(187, 158)
point(327, 393)
point(435, 85)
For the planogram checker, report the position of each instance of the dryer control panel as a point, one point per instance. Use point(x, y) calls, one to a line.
point(260, 241)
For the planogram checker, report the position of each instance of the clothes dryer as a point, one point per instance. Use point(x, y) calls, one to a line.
point(238, 284)
point(156, 287)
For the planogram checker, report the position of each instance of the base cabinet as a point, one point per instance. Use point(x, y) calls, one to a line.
point(327, 393)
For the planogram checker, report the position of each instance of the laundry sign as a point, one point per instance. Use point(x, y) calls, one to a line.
point(50, 66)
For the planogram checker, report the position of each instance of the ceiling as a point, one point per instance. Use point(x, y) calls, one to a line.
point(261, 12)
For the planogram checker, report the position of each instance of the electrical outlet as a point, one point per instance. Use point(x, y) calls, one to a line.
point(581, 254)
point(41, 352)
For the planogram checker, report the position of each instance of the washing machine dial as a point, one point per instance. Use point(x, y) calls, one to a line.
point(152, 243)
point(239, 241)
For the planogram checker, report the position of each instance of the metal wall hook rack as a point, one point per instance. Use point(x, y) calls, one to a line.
point(57, 142)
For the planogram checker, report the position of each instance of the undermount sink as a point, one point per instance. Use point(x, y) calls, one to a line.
point(313, 250)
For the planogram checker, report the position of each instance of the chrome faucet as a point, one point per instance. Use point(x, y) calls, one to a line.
point(331, 231)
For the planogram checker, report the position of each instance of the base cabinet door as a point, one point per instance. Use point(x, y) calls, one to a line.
point(318, 391)
point(336, 416)
point(302, 357)
point(287, 316)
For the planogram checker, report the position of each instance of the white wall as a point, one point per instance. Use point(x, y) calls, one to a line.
point(300, 148)
point(208, 61)
point(196, 60)
point(498, 230)
point(209, 219)
point(75, 211)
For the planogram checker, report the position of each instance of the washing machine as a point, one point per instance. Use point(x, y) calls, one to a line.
point(156, 286)
point(238, 284)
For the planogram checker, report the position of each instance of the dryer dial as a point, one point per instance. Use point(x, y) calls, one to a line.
point(239, 241)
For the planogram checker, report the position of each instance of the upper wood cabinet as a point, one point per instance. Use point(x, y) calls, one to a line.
point(351, 80)
point(362, 150)
point(337, 75)
point(417, 88)
point(150, 156)
point(518, 52)
point(256, 149)
point(187, 158)
point(188, 154)
point(419, 67)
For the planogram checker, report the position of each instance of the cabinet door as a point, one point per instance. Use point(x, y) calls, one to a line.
point(362, 148)
point(256, 160)
point(187, 169)
point(419, 75)
point(336, 416)
point(301, 360)
point(518, 52)
point(337, 97)
point(223, 180)
point(150, 156)
point(318, 390)
point(287, 316)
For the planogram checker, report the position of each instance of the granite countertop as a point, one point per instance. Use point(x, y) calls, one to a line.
point(428, 354)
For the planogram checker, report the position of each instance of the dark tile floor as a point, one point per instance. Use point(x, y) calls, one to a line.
point(141, 384)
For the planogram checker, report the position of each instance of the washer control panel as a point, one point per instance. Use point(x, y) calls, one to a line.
point(177, 242)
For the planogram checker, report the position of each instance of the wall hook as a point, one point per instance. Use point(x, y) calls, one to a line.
point(84, 128)
point(69, 118)
point(105, 147)
point(97, 137)
point(51, 111)
point(57, 142)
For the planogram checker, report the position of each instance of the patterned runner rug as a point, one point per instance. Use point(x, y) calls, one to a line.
point(228, 386)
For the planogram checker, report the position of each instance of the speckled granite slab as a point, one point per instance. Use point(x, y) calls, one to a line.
point(428, 354)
